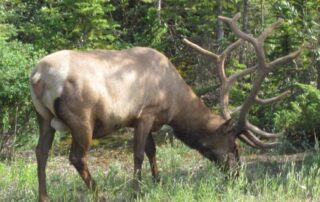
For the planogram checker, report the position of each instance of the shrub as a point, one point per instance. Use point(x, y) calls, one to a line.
point(16, 61)
point(301, 117)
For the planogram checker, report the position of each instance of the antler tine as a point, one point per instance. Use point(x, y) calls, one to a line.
point(285, 59)
point(224, 95)
point(225, 81)
point(246, 140)
point(233, 25)
point(249, 101)
point(201, 50)
point(256, 44)
point(233, 78)
point(273, 99)
point(258, 143)
point(232, 46)
point(269, 30)
point(255, 130)
point(234, 19)
point(223, 55)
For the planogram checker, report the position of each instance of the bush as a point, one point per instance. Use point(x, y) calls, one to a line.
point(16, 61)
point(301, 118)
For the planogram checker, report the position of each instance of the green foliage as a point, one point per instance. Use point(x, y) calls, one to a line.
point(152, 31)
point(7, 30)
point(67, 24)
point(301, 116)
point(240, 90)
point(16, 62)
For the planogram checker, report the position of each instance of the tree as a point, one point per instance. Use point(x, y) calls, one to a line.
point(54, 25)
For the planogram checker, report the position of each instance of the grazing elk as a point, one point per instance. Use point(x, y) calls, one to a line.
point(94, 93)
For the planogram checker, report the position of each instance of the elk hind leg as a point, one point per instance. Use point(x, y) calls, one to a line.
point(42, 151)
point(79, 147)
point(78, 121)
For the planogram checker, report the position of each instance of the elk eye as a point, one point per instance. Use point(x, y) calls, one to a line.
point(204, 144)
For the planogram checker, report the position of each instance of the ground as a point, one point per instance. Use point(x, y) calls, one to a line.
point(185, 175)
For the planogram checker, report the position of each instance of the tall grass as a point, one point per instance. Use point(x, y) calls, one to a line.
point(185, 176)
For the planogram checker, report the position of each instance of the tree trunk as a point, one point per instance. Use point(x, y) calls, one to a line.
point(261, 13)
point(245, 28)
point(220, 23)
point(317, 65)
point(159, 10)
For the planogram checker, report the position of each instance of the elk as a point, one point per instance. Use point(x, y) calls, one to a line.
point(94, 93)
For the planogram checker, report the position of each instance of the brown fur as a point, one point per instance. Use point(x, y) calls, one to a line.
point(94, 93)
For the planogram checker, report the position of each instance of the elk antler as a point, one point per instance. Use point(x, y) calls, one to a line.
point(247, 132)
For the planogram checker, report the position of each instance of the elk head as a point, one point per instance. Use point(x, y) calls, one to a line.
point(242, 128)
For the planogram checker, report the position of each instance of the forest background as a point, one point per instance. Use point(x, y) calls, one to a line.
point(31, 29)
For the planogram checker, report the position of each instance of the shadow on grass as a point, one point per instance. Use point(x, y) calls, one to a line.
point(120, 140)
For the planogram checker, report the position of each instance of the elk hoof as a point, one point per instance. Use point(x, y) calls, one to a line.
point(156, 178)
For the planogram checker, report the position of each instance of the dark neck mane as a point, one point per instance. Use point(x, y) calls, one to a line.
point(194, 122)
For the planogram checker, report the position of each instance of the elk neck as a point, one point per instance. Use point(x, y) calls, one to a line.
point(194, 120)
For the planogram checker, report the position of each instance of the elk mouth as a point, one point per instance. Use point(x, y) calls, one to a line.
point(214, 157)
point(227, 162)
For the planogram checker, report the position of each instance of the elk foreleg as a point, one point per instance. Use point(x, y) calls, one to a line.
point(141, 132)
point(150, 150)
point(42, 150)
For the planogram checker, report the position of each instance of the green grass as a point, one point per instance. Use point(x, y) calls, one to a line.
point(185, 176)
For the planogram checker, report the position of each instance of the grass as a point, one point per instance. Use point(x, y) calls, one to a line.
point(185, 176)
